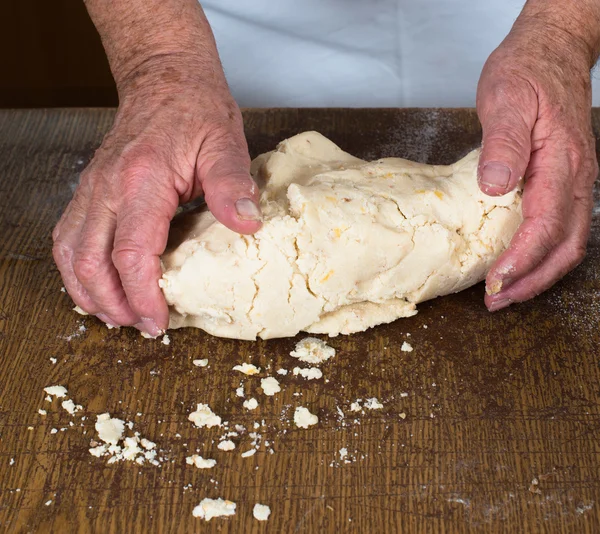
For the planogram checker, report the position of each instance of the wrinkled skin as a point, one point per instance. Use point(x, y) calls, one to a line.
point(174, 138)
point(534, 103)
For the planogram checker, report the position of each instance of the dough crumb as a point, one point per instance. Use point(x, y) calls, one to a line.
point(373, 404)
point(53, 360)
point(80, 311)
point(282, 372)
point(209, 508)
point(247, 369)
point(166, 340)
point(406, 347)
point(200, 363)
point(199, 462)
point(56, 391)
point(226, 445)
point(250, 404)
point(270, 386)
point(109, 430)
point(312, 350)
point(248, 453)
point(355, 406)
point(261, 512)
point(71, 407)
point(310, 373)
point(303, 418)
point(204, 417)
point(240, 391)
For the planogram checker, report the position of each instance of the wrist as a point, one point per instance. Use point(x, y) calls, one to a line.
point(563, 28)
point(166, 74)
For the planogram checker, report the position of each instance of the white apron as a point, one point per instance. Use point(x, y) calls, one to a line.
point(363, 53)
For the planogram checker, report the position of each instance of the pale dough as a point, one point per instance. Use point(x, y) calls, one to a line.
point(346, 244)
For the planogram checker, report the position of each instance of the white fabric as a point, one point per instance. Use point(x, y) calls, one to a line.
point(365, 53)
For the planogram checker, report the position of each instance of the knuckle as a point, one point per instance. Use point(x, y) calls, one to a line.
point(87, 265)
point(127, 258)
point(61, 252)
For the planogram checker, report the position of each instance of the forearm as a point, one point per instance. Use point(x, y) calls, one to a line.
point(134, 32)
point(573, 23)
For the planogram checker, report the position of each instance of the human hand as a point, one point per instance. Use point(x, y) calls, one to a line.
point(177, 135)
point(534, 102)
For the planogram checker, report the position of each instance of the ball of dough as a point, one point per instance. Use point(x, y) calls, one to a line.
point(346, 244)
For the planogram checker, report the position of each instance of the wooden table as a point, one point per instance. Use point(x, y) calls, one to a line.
point(493, 403)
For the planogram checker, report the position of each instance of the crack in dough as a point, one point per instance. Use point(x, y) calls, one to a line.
point(346, 244)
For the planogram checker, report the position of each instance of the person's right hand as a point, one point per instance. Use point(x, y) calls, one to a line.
point(177, 135)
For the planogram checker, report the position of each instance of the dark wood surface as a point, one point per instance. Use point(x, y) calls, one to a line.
point(494, 401)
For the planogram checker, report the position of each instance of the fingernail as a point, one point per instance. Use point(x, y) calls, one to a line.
point(499, 304)
point(150, 326)
point(494, 288)
point(247, 210)
point(495, 174)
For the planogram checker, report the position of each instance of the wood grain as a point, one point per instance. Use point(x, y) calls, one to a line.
point(493, 401)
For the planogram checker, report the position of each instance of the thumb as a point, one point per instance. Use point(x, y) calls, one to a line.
point(507, 114)
point(223, 169)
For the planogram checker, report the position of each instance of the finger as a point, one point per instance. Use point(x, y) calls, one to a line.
point(140, 238)
point(563, 259)
point(231, 194)
point(507, 112)
point(94, 268)
point(66, 236)
point(547, 203)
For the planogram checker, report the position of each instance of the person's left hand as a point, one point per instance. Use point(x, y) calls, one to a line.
point(534, 104)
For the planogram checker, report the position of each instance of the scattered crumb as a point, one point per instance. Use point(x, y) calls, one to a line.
point(402, 415)
point(406, 347)
point(71, 407)
point(282, 372)
point(209, 508)
point(373, 404)
point(80, 311)
point(199, 462)
point(200, 363)
point(109, 430)
point(247, 369)
point(250, 404)
point(249, 453)
point(343, 453)
point(226, 445)
point(240, 391)
point(53, 431)
point(270, 386)
point(312, 350)
point(166, 340)
point(261, 512)
point(355, 406)
point(56, 391)
point(204, 417)
point(48, 503)
point(42, 412)
point(310, 373)
point(303, 418)
point(53, 360)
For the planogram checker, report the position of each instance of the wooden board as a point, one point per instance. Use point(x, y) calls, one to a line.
point(493, 401)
